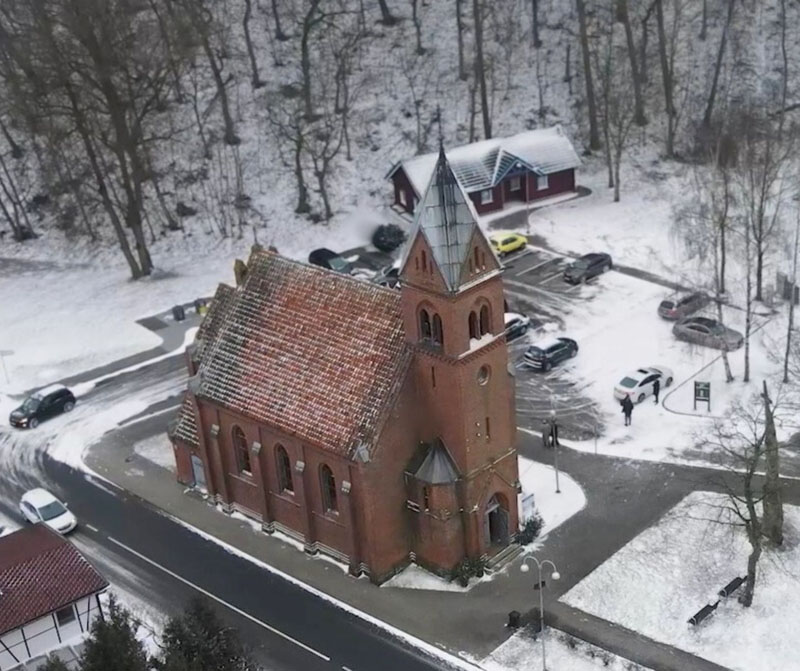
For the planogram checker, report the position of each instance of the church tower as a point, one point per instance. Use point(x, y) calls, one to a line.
point(465, 479)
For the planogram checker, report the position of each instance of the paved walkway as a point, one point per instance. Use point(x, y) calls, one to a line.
point(624, 498)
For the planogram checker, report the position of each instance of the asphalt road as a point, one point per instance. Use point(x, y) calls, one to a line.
point(163, 564)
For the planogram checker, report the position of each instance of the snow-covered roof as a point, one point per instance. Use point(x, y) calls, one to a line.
point(482, 165)
point(546, 343)
point(438, 466)
point(48, 390)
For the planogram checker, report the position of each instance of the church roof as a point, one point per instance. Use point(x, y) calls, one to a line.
point(438, 467)
point(448, 220)
point(313, 353)
point(185, 428)
point(482, 165)
point(214, 319)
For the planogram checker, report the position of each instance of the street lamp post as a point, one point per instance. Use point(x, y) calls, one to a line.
point(554, 574)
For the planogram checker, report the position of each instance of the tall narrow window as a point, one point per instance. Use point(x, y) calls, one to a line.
point(485, 321)
point(426, 498)
point(328, 486)
point(285, 482)
point(436, 331)
point(416, 263)
point(542, 183)
point(488, 430)
point(424, 325)
point(239, 441)
point(433, 377)
point(424, 261)
point(473, 325)
point(477, 258)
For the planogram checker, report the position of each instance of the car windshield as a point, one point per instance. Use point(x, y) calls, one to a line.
point(31, 404)
point(535, 351)
point(667, 305)
point(628, 382)
point(52, 510)
point(581, 264)
point(337, 263)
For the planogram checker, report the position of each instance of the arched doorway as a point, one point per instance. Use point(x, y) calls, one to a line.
point(496, 521)
point(199, 473)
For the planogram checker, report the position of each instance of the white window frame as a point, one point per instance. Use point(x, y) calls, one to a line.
point(401, 196)
point(515, 184)
point(487, 197)
point(542, 182)
point(71, 609)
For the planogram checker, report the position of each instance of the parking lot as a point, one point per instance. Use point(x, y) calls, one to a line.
point(534, 286)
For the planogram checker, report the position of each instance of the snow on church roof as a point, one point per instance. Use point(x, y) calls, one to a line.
point(482, 165)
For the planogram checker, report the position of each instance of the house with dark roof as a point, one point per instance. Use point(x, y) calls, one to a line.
point(524, 168)
point(49, 595)
point(375, 425)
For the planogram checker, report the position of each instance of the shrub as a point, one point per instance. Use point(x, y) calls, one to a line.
point(388, 237)
point(530, 530)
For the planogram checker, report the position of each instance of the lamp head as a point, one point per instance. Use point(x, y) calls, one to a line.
point(553, 412)
point(556, 575)
point(524, 568)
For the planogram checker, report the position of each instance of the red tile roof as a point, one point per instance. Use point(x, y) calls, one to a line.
point(314, 353)
point(41, 572)
point(218, 311)
point(186, 427)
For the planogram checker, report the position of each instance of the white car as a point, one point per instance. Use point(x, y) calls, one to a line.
point(639, 384)
point(39, 505)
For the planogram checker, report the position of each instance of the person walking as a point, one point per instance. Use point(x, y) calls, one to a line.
point(656, 389)
point(627, 409)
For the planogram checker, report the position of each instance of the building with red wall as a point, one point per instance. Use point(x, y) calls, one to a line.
point(526, 167)
point(365, 422)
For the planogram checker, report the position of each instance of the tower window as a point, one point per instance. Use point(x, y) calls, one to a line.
point(488, 430)
point(483, 375)
point(473, 325)
point(437, 332)
point(485, 321)
point(433, 377)
point(240, 450)
point(424, 261)
point(426, 498)
point(416, 263)
point(285, 483)
point(424, 325)
point(477, 259)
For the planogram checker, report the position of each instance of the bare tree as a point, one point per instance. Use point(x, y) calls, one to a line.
point(462, 70)
point(279, 34)
point(480, 68)
point(723, 40)
point(666, 53)
point(387, 18)
point(773, 494)
point(623, 17)
point(251, 54)
point(594, 133)
point(417, 25)
point(535, 24)
point(790, 325)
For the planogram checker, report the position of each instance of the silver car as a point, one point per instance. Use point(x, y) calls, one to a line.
point(679, 307)
point(707, 332)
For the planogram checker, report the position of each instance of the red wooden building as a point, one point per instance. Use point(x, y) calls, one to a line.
point(369, 423)
point(524, 168)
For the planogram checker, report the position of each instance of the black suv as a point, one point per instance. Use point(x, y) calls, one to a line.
point(587, 267)
point(325, 258)
point(43, 404)
point(546, 354)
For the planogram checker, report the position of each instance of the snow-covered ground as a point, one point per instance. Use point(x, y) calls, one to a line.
point(157, 449)
point(521, 651)
point(669, 572)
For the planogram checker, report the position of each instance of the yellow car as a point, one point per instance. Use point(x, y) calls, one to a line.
point(505, 243)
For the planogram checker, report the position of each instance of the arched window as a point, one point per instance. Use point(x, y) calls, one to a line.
point(424, 261)
point(486, 325)
point(436, 332)
point(477, 259)
point(424, 324)
point(284, 464)
point(473, 325)
point(328, 486)
point(239, 441)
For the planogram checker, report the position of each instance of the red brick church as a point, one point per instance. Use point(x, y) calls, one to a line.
point(375, 425)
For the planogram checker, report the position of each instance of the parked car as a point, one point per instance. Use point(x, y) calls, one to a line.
point(545, 354)
point(505, 243)
point(39, 505)
point(41, 405)
point(587, 267)
point(707, 332)
point(517, 325)
point(682, 306)
point(388, 276)
point(388, 237)
point(639, 384)
point(325, 258)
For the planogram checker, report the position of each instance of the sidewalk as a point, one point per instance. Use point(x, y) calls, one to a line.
point(623, 498)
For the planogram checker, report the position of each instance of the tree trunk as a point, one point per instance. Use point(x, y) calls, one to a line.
point(302, 191)
point(535, 24)
point(462, 71)
point(594, 134)
point(617, 161)
point(718, 66)
point(790, 326)
point(309, 21)
point(279, 34)
point(704, 21)
point(750, 584)
point(472, 113)
point(386, 16)
point(748, 300)
point(230, 130)
point(16, 150)
point(772, 526)
point(251, 54)
point(624, 18)
point(567, 67)
point(480, 68)
point(666, 76)
point(417, 25)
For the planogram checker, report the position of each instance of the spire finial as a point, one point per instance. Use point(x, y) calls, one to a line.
point(441, 134)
